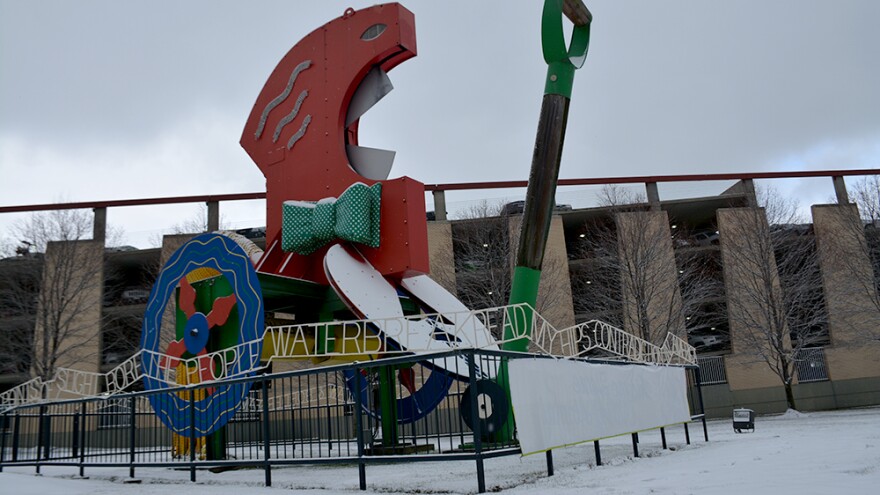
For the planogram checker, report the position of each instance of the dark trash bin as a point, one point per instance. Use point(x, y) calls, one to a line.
point(743, 420)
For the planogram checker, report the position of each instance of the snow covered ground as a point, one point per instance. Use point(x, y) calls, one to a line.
point(799, 454)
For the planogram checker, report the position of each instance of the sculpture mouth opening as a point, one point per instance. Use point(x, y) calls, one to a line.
point(371, 163)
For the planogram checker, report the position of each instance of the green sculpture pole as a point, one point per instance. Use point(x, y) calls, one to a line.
point(541, 194)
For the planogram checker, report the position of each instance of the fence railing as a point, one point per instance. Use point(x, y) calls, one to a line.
point(318, 415)
point(328, 414)
point(463, 330)
point(438, 192)
point(712, 370)
point(811, 366)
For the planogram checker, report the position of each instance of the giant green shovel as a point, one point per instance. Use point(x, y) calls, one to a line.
point(541, 193)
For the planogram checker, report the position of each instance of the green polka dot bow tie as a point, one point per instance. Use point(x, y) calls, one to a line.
point(306, 225)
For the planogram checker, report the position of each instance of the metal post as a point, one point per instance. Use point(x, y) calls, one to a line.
point(549, 463)
point(16, 425)
point(74, 437)
point(475, 420)
point(663, 437)
point(82, 435)
point(635, 437)
point(698, 379)
point(132, 436)
point(598, 452)
point(266, 453)
point(3, 434)
point(359, 425)
point(330, 424)
point(388, 407)
point(213, 216)
point(439, 205)
point(192, 435)
point(40, 438)
point(687, 435)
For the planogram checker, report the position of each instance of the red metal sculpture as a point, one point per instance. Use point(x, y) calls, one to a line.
point(303, 134)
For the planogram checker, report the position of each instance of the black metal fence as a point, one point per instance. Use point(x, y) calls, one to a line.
point(712, 369)
point(811, 366)
point(319, 415)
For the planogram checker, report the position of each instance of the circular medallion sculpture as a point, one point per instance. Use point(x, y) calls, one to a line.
point(233, 322)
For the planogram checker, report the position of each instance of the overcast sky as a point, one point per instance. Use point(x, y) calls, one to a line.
point(112, 100)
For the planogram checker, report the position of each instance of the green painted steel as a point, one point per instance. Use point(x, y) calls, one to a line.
point(523, 290)
point(540, 196)
point(388, 405)
point(562, 61)
point(220, 337)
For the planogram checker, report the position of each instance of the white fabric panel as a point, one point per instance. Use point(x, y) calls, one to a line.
point(558, 403)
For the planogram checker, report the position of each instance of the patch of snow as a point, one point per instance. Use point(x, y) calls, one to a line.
point(792, 414)
point(788, 454)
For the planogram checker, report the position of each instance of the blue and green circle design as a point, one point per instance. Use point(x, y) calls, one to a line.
point(212, 407)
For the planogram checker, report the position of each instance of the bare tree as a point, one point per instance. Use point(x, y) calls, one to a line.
point(628, 277)
point(596, 272)
point(194, 224)
point(866, 194)
point(595, 275)
point(619, 198)
point(56, 287)
point(19, 284)
point(626, 273)
point(483, 260)
point(775, 300)
point(701, 285)
point(851, 259)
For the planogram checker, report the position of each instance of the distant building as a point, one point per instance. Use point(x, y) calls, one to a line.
point(584, 278)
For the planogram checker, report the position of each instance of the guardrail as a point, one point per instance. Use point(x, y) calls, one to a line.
point(463, 330)
point(438, 191)
point(318, 415)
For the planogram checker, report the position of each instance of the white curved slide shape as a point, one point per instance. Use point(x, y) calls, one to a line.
point(370, 296)
point(469, 330)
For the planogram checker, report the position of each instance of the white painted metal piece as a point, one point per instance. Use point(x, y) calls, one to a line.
point(372, 163)
point(413, 333)
point(366, 292)
point(471, 331)
point(375, 85)
point(360, 285)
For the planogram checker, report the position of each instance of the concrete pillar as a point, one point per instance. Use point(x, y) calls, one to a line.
point(213, 216)
point(840, 190)
point(850, 295)
point(554, 291)
point(745, 252)
point(99, 226)
point(72, 292)
point(439, 205)
point(440, 253)
point(748, 187)
point(649, 276)
point(653, 195)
